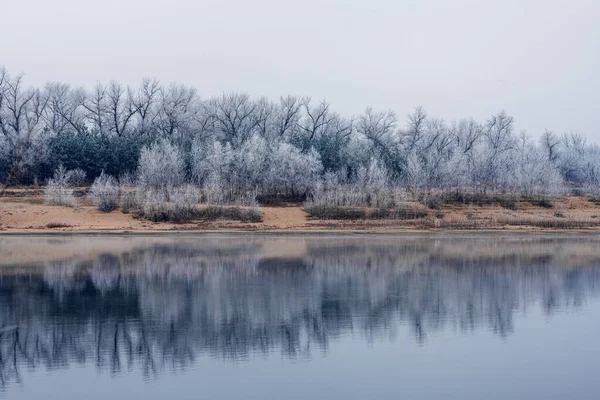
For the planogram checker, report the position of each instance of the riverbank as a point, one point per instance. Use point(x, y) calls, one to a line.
point(22, 211)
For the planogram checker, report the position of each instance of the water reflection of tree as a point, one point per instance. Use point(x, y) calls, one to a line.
point(161, 307)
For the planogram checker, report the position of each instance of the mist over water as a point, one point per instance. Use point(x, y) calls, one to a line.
point(152, 308)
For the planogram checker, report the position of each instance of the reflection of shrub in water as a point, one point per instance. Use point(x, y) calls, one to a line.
point(105, 272)
point(61, 277)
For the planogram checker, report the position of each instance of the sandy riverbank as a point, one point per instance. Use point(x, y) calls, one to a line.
point(24, 211)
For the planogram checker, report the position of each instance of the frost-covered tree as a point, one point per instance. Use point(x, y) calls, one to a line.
point(381, 132)
point(291, 171)
point(161, 167)
point(237, 144)
point(491, 160)
point(211, 160)
point(22, 122)
point(533, 173)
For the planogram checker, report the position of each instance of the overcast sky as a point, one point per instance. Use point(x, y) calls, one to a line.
point(537, 59)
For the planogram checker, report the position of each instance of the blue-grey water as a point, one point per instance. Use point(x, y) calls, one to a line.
point(300, 317)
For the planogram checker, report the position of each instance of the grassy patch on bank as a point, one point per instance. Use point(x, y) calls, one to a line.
point(437, 201)
point(322, 211)
point(165, 212)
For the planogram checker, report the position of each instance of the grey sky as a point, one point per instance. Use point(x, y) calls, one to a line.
point(537, 59)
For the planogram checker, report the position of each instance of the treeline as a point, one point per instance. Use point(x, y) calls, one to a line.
point(291, 147)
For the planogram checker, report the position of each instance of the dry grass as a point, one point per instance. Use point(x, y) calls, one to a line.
point(168, 212)
point(52, 225)
point(404, 212)
point(234, 213)
point(437, 201)
point(500, 223)
point(550, 223)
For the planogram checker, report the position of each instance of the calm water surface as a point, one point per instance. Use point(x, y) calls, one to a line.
point(300, 317)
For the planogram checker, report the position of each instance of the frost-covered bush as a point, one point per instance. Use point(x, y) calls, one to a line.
point(250, 164)
point(184, 206)
point(161, 167)
point(291, 171)
point(58, 191)
point(211, 162)
point(234, 213)
point(216, 194)
point(129, 194)
point(533, 174)
point(370, 187)
point(591, 172)
point(184, 203)
point(154, 206)
point(105, 193)
point(76, 177)
point(255, 166)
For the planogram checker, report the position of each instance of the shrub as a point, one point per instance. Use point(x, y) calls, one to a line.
point(464, 197)
point(322, 211)
point(129, 196)
point(555, 223)
point(184, 208)
point(435, 202)
point(216, 193)
point(509, 203)
point(154, 207)
point(76, 177)
point(51, 225)
point(404, 212)
point(541, 202)
point(57, 191)
point(234, 213)
point(161, 167)
point(184, 204)
point(129, 200)
point(105, 193)
point(279, 200)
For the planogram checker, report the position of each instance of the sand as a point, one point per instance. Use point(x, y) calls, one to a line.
point(24, 211)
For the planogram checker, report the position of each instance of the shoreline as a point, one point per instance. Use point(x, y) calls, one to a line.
point(22, 250)
point(303, 232)
point(24, 212)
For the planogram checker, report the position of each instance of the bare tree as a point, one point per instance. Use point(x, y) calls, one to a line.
point(145, 101)
point(120, 108)
point(550, 143)
point(21, 119)
point(498, 132)
point(415, 129)
point(288, 115)
point(467, 134)
point(96, 110)
point(316, 119)
point(178, 109)
point(65, 111)
point(377, 127)
point(236, 116)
